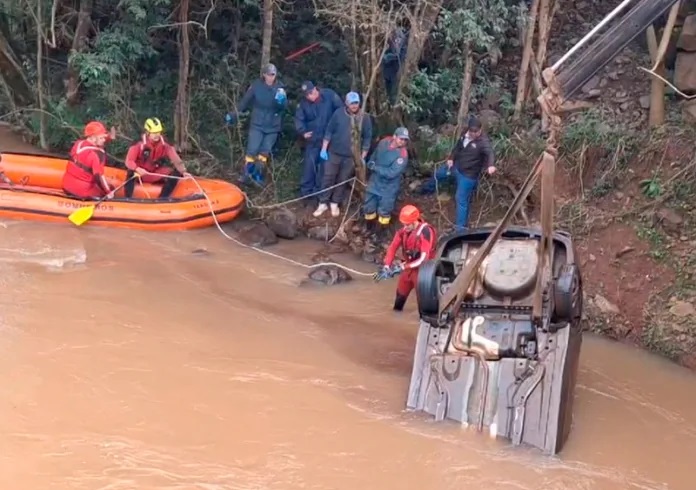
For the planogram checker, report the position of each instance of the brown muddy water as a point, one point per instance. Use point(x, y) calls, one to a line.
point(129, 362)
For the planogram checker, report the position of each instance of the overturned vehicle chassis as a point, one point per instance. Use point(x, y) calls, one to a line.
point(494, 365)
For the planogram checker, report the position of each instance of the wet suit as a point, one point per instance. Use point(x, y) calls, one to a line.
point(82, 178)
point(388, 163)
point(153, 157)
point(417, 246)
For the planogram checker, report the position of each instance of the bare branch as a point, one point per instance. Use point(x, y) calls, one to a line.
point(203, 26)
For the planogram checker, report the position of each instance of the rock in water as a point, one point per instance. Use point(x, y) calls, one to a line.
point(258, 235)
point(283, 223)
point(327, 275)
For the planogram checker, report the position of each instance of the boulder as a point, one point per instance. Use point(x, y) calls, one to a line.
point(327, 275)
point(685, 72)
point(257, 235)
point(323, 233)
point(687, 37)
point(283, 223)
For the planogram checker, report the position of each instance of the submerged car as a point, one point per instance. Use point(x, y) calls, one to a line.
point(494, 365)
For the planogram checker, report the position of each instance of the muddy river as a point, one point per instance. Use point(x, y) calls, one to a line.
point(129, 362)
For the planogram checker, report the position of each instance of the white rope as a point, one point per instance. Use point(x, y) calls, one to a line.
point(266, 252)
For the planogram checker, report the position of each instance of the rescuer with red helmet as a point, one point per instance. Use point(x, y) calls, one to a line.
point(84, 174)
point(416, 240)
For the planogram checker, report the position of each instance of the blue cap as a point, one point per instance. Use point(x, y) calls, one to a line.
point(307, 87)
point(352, 98)
point(401, 133)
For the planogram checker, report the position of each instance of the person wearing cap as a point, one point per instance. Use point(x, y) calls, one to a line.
point(388, 164)
point(311, 118)
point(337, 150)
point(84, 173)
point(149, 157)
point(471, 154)
point(416, 241)
point(267, 100)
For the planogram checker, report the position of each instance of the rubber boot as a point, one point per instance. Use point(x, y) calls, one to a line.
point(399, 302)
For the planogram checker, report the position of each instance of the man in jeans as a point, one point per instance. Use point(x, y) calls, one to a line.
point(345, 126)
point(471, 154)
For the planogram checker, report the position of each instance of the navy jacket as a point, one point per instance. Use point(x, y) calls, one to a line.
point(266, 113)
point(314, 116)
point(339, 132)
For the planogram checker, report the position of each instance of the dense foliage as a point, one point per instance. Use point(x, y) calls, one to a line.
point(119, 60)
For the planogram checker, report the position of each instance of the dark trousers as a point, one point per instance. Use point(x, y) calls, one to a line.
point(260, 143)
point(167, 188)
point(337, 169)
point(312, 170)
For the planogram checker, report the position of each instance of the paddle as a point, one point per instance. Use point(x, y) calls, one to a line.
point(81, 216)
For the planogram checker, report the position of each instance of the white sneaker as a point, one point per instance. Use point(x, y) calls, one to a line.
point(335, 212)
point(321, 209)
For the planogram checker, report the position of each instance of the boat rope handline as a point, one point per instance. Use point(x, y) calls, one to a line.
point(266, 252)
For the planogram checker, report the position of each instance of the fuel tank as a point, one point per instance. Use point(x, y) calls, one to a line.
point(494, 366)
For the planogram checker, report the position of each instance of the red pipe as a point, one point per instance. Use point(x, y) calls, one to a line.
point(302, 51)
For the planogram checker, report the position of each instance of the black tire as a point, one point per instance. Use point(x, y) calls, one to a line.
point(567, 295)
point(427, 292)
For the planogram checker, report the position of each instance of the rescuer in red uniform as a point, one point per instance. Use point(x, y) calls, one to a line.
point(84, 174)
point(147, 158)
point(416, 240)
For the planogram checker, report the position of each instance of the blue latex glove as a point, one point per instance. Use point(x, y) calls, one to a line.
point(383, 273)
point(230, 118)
point(396, 270)
point(371, 165)
point(324, 155)
point(280, 96)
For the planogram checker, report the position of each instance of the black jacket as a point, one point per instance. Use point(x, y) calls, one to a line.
point(473, 158)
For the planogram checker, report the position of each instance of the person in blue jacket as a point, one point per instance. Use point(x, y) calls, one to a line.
point(388, 163)
point(311, 118)
point(267, 100)
point(393, 58)
point(340, 164)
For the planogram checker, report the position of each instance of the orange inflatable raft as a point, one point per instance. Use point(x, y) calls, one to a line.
point(37, 195)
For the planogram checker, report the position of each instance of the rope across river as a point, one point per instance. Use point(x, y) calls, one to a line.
point(266, 252)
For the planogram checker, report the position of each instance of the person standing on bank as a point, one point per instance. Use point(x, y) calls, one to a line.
point(388, 163)
point(340, 165)
point(267, 100)
point(311, 118)
point(471, 154)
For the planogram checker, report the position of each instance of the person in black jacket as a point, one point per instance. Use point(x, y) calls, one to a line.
point(267, 100)
point(311, 118)
point(471, 154)
point(338, 138)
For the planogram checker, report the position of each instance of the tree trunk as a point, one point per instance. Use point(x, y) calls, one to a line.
point(39, 76)
point(13, 75)
point(267, 32)
point(657, 56)
point(547, 11)
point(181, 108)
point(84, 23)
point(526, 57)
point(425, 16)
point(466, 88)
